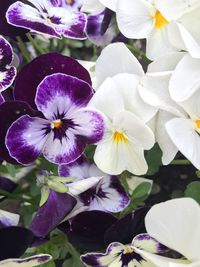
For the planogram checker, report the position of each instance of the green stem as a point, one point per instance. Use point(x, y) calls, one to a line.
point(35, 44)
point(23, 49)
point(180, 162)
point(138, 52)
point(15, 197)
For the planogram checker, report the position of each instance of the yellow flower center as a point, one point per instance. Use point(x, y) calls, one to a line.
point(69, 2)
point(119, 137)
point(197, 123)
point(159, 20)
point(56, 124)
point(128, 250)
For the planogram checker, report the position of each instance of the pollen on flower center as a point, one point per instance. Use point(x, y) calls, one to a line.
point(119, 137)
point(56, 124)
point(197, 123)
point(69, 2)
point(128, 250)
point(159, 20)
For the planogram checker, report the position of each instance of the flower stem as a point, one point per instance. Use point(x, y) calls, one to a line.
point(23, 49)
point(138, 52)
point(180, 162)
point(35, 44)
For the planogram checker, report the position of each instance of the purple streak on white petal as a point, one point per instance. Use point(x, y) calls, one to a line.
point(6, 53)
point(65, 150)
point(148, 243)
point(8, 219)
point(89, 124)
point(58, 94)
point(78, 169)
point(27, 262)
point(7, 77)
point(30, 18)
point(93, 30)
point(107, 195)
point(26, 138)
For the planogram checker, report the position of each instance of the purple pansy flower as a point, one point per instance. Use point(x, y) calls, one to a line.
point(49, 17)
point(7, 72)
point(107, 195)
point(68, 125)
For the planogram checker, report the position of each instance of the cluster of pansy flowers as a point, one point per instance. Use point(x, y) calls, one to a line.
point(60, 106)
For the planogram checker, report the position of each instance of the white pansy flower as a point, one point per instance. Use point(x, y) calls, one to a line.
point(167, 25)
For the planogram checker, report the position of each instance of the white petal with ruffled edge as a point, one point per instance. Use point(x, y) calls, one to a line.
point(26, 262)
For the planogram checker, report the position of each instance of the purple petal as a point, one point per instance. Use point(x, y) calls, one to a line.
point(75, 28)
point(14, 241)
point(10, 112)
point(78, 169)
point(59, 94)
point(26, 137)
point(27, 17)
point(94, 30)
point(90, 124)
point(52, 213)
point(8, 219)
point(33, 73)
point(7, 185)
point(132, 225)
point(7, 77)
point(6, 53)
point(63, 149)
point(108, 195)
point(1, 99)
point(5, 28)
point(88, 228)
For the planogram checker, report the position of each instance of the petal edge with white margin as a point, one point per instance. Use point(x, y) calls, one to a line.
point(185, 76)
point(8, 219)
point(1, 99)
point(25, 138)
point(135, 18)
point(111, 4)
point(116, 58)
point(172, 224)
point(7, 77)
point(26, 262)
point(93, 6)
point(169, 150)
point(182, 133)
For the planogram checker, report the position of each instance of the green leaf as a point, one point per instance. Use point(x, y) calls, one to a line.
point(141, 190)
point(153, 158)
point(193, 191)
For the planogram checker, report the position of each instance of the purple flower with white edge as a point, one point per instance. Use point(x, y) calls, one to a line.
point(107, 195)
point(120, 255)
point(68, 125)
point(7, 72)
point(14, 241)
point(48, 17)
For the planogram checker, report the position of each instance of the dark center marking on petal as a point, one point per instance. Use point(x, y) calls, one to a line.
point(127, 255)
point(60, 127)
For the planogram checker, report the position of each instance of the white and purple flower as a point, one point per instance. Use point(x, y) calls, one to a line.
point(106, 195)
point(66, 128)
point(52, 17)
point(7, 72)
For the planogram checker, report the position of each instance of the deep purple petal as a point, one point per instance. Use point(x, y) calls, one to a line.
point(52, 213)
point(7, 77)
point(78, 169)
point(88, 228)
point(1, 99)
point(26, 137)
point(14, 241)
point(10, 112)
point(58, 94)
point(33, 73)
point(30, 18)
point(6, 52)
point(7, 185)
point(132, 225)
